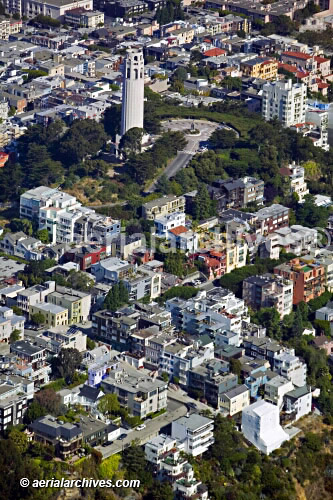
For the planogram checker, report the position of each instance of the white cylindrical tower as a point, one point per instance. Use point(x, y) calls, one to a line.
point(133, 91)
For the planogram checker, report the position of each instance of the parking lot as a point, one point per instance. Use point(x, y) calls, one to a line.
point(194, 142)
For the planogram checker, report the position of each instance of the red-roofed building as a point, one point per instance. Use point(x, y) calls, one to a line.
point(323, 65)
point(214, 52)
point(183, 239)
point(215, 263)
point(3, 158)
point(299, 59)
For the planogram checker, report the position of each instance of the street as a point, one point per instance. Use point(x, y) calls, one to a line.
point(193, 143)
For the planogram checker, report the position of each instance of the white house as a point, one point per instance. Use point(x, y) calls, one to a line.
point(261, 426)
point(298, 402)
point(276, 388)
point(291, 367)
point(165, 223)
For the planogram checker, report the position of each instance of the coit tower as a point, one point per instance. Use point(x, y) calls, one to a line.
point(133, 90)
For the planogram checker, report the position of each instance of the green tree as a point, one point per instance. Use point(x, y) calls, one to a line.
point(165, 377)
point(66, 363)
point(116, 297)
point(159, 491)
point(24, 225)
point(34, 411)
point(131, 142)
point(43, 235)
point(109, 404)
point(223, 138)
point(17, 311)
point(50, 401)
point(80, 281)
point(297, 326)
point(202, 204)
point(270, 318)
point(14, 336)
point(90, 344)
point(20, 439)
point(38, 319)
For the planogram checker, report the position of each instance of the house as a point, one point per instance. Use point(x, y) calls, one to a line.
point(276, 388)
point(34, 295)
point(165, 223)
point(295, 175)
point(111, 270)
point(237, 193)
point(260, 67)
point(59, 337)
point(65, 437)
point(84, 395)
point(261, 426)
point(12, 409)
point(298, 402)
point(31, 361)
point(183, 239)
point(158, 447)
point(271, 218)
point(195, 432)
point(10, 322)
point(323, 342)
point(235, 400)
point(114, 329)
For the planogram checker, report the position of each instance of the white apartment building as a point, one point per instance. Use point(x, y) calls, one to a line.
point(285, 101)
point(10, 322)
point(9, 27)
point(295, 239)
point(58, 338)
point(158, 447)
point(276, 388)
point(34, 295)
point(261, 426)
point(65, 219)
point(298, 402)
point(54, 8)
point(195, 432)
point(164, 223)
point(291, 367)
point(297, 181)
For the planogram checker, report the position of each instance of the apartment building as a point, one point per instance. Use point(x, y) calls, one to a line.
point(9, 27)
point(158, 448)
point(114, 329)
point(269, 219)
point(141, 394)
point(12, 408)
point(285, 101)
point(291, 367)
point(275, 389)
point(33, 295)
point(183, 239)
point(81, 17)
point(195, 432)
point(143, 283)
point(308, 278)
point(164, 223)
point(260, 67)
point(77, 303)
point(269, 291)
point(53, 315)
point(297, 184)
point(10, 322)
point(261, 426)
point(235, 400)
point(262, 348)
point(53, 8)
point(237, 193)
point(64, 217)
point(163, 206)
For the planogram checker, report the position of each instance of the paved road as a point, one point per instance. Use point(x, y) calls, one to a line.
point(193, 142)
point(175, 410)
point(182, 397)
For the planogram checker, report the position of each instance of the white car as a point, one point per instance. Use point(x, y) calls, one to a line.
point(140, 427)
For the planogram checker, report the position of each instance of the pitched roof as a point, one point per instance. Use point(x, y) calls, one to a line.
point(178, 230)
point(90, 392)
point(214, 52)
point(297, 55)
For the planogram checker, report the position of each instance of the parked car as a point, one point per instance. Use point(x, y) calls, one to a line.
point(192, 405)
point(107, 443)
point(122, 436)
point(140, 427)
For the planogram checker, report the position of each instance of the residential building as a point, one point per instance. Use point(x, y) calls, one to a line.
point(86, 255)
point(269, 219)
point(285, 101)
point(12, 409)
point(9, 27)
point(276, 388)
point(21, 245)
point(53, 315)
point(305, 61)
point(295, 175)
point(84, 395)
point(158, 448)
point(183, 239)
point(163, 206)
point(65, 437)
point(235, 400)
point(238, 193)
point(141, 394)
point(31, 361)
point(33, 295)
point(81, 17)
point(124, 8)
point(195, 432)
point(111, 270)
point(298, 402)
point(210, 380)
point(294, 239)
point(260, 67)
point(308, 278)
point(57, 338)
point(114, 329)
point(323, 342)
point(164, 223)
point(291, 367)
point(64, 217)
point(262, 348)
point(269, 291)
point(261, 426)
point(143, 283)
point(53, 8)
point(10, 322)
point(77, 303)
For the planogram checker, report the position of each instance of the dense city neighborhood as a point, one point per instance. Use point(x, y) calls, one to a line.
point(166, 253)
